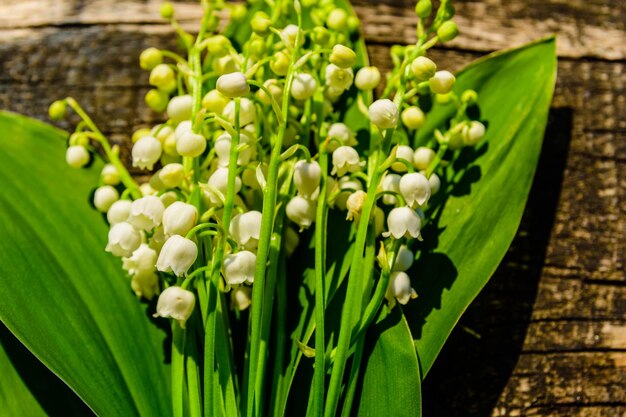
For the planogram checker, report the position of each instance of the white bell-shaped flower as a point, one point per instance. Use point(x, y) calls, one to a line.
point(143, 260)
point(404, 259)
point(146, 152)
point(146, 213)
point(442, 82)
point(232, 85)
point(390, 182)
point(123, 239)
point(239, 268)
point(354, 204)
point(247, 112)
point(104, 197)
point(179, 108)
point(289, 35)
point(77, 156)
point(179, 218)
point(423, 157)
point(245, 229)
point(176, 303)
point(435, 183)
point(241, 297)
point(473, 133)
point(383, 114)
point(402, 152)
point(400, 288)
point(306, 177)
point(218, 181)
point(413, 117)
point(301, 211)
point(403, 222)
point(415, 189)
point(145, 285)
point(346, 186)
point(367, 78)
point(183, 128)
point(338, 78)
point(222, 149)
point(303, 86)
point(343, 133)
point(191, 144)
point(119, 211)
point(345, 159)
point(172, 175)
point(177, 255)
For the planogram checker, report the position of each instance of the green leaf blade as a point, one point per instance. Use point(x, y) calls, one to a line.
point(70, 304)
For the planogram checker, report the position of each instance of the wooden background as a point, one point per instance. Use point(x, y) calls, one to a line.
point(547, 337)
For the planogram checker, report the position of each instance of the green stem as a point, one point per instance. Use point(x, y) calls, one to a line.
point(178, 369)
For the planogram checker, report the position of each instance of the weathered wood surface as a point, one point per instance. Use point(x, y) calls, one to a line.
point(547, 337)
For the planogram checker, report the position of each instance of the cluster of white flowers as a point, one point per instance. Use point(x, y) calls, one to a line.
point(167, 227)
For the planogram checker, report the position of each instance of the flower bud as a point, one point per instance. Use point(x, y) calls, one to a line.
point(303, 86)
point(214, 101)
point(225, 65)
point(167, 10)
point(390, 182)
point(77, 156)
point(241, 297)
point(177, 255)
point(245, 229)
point(320, 35)
point(179, 108)
point(247, 112)
point(345, 159)
point(473, 133)
point(218, 181)
point(119, 211)
point(291, 240)
point(123, 239)
point(239, 268)
point(157, 100)
point(415, 189)
point(146, 213)
point(57, 110)
point(145, 285)
point(141, 261)
point(337, 19)
point(400, 288)
point(442, 82)
point(301, 211)
point(423, 157)
point(289, 34)
point(233, 85)
point(367, 78)
point(413, 117)
point(342, 56)
point(191, 145)
point(402, 152)
point(306, 177)
point(343, 133)
point(354, 204)
point(435, 183)
point(104, 197)
point(218, 45)
point(172, 175)
point(423, 8)
point(423, 68)
point(238, 12)
point(109, 175)
point(403, 222)
point(179, 218)
point(447, 31)
point(383, 114)
point(222, 149)
point(469, 96)
point(146, 152)
point(404, 259)
point(150, 58)
point(338, 79)
point(260, 23)
point(163, 78)
point(280, 63)
point(176, 303)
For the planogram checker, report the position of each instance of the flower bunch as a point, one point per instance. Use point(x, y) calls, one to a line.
point(265, 136)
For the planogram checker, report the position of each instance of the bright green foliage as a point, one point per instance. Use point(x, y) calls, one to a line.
point(70, 303)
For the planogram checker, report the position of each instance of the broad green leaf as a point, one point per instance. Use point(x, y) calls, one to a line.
point(391, 379)
point(64, 297)
point(466, 241)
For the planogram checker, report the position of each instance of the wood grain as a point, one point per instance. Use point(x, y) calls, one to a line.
point(547, 336)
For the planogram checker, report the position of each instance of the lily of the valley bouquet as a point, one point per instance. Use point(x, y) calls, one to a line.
point(303, 229)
